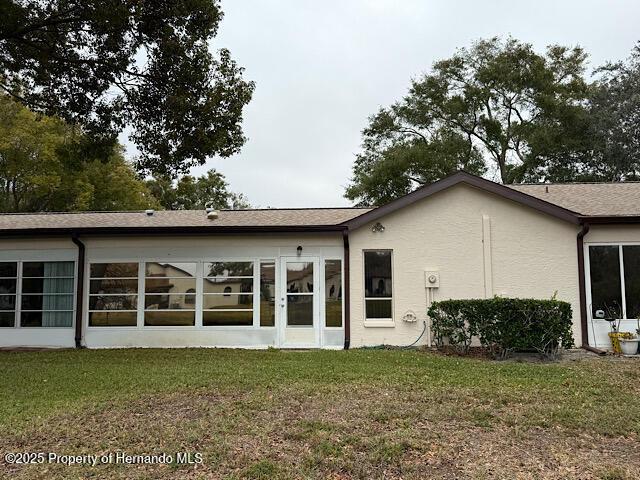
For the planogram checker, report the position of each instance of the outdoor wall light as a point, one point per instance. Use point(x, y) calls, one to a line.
point(377, 227)
point(299, 250)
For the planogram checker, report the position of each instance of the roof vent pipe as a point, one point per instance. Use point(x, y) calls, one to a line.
point(149, 212)
point(212, 215)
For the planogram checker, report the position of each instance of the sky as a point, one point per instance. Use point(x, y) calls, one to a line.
point(321, 68)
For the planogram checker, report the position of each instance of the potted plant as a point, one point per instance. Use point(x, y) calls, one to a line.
point(628, 343)
point(625, 343)
point(611, 314)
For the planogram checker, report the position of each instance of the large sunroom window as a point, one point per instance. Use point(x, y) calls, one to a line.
point(227, 297)
point(615, 281)
point(47, 294)
point(169, 294)
point(39, 294)
point(113, 294)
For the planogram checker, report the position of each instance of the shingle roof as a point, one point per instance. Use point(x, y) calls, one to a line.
point(617, 200)
point(589, 199)
point(281, 218)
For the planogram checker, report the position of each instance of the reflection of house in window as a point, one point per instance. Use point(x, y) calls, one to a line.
point(227, 291)
point(190, 299)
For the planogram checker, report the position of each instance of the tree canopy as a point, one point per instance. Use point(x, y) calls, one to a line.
point(108, 64)
point(497, 107)
point(615, 114)
point(210, 190)
point(42, 168)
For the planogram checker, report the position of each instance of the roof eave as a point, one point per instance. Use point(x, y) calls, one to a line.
point(609, 219)
point(176, 230)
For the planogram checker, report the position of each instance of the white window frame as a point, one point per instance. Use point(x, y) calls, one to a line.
point(142, 271)
point(378, 322)
point(21, 278)
point(16, 305)
point(200, 262)
point(17, 322)
point(256, 300)
point(324, 286)
point(88, 294)
point(256, 291)
point(587, 268)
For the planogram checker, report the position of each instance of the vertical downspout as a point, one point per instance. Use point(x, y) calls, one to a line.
point(583, 295)
point(347, 291)
point(79, 289)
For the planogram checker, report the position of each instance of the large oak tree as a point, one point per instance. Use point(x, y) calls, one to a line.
point(109, 64)
point(498, 107)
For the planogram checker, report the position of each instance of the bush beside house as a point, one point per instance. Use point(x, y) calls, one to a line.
point(503, 325)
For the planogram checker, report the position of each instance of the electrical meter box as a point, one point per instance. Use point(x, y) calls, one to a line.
point(431, 279)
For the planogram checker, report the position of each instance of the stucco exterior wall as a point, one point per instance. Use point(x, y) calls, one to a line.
point(613, 234)
point(529, 254)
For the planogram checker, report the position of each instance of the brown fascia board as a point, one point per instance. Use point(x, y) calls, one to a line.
point(609, 219)
point(474, 181)
point(230, 230)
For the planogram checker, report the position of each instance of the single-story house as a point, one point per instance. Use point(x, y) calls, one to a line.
point(318, 278)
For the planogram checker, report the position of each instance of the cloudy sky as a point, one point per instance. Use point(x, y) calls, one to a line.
point(322, 67)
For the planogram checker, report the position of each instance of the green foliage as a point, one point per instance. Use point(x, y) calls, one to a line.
point(44, 167)
point(107, 64)
point(189, 193)
point(504, 324)
point(615, 113)
point(496, 106)
point(379, 176)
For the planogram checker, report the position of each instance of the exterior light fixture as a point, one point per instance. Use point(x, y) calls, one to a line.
point(299, 250)
point(377, 227)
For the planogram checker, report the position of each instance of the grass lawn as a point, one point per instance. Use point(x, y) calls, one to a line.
point(321, 414)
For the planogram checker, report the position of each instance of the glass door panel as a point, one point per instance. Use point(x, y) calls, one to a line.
point(299, 304)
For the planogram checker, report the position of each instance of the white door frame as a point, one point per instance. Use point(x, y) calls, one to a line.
point(281, 318)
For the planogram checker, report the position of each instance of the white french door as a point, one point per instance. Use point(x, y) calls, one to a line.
point(299, 319)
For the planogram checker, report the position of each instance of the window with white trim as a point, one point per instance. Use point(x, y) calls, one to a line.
point(8, 293)
point(168, 297)
point(227, 297)
point(46, 298)
point(378, 285)
point(614, 271)
point(333, 293)
point(267, 293)
point(113, 294)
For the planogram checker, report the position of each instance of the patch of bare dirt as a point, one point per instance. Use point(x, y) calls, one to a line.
point(360, 433)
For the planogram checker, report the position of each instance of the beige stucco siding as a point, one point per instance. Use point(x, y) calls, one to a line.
point(530, 254)
point(613, 234)
point(36, 244)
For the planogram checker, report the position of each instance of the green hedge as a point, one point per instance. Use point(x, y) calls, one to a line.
point(503, 325)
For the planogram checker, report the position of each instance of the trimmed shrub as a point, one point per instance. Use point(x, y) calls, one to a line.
point(503, 325)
